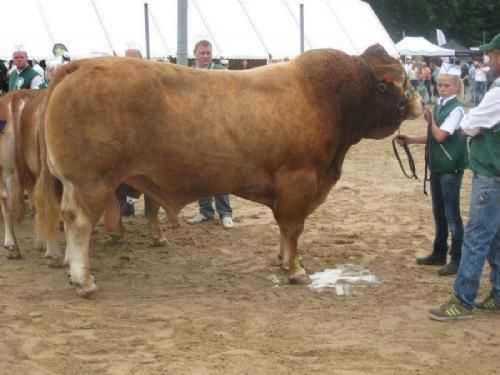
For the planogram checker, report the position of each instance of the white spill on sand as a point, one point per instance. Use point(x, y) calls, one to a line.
point(344, 278)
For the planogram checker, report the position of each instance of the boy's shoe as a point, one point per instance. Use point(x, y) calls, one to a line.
point(198, 218)
point(453, 310)
point(450, 269)
point(489, 304)
point(227, 222)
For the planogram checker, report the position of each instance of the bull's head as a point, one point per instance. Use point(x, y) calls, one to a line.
point(398, 99)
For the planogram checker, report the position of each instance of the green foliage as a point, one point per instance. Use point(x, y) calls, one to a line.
point(469, 22)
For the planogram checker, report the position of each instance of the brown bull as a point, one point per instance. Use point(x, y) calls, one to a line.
point(276, 135)
point(20, 168)
point(19, 163)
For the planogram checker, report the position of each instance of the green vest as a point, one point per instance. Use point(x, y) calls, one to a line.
point(485, 149)
point(212, 65)
point(22, 80)
point(451, 155)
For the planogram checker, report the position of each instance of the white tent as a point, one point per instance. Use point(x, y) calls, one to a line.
point(419, 46)
point(237, 28)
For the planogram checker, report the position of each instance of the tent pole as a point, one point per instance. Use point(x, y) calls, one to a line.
point(146, 26)
point(182, 32)
point(301, 28)
point(309, 44)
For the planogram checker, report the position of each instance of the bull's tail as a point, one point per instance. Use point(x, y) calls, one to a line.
point(48, 189)
point(15, 187)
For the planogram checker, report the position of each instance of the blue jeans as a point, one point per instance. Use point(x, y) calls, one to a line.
point(445, 191)
point(480, 91)
point(482, 240)
point(222, 205)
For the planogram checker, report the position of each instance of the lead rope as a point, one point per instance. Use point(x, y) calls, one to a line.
point(427, 154)
point(411, 162)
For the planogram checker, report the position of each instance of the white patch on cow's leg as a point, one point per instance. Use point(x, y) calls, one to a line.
point(9, 239)
point(78, 229)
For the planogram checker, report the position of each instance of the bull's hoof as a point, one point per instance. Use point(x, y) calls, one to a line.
point(300, 279)
point(116, 237)
point(157, 242)
point(13, 253)
point(89, 292)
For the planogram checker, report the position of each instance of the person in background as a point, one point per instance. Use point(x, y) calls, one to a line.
point(447, 161)
point(23, 76)
point(426, 77)
point(203, 56)
point(414, 75)
point(482, 233)
point(480, 81)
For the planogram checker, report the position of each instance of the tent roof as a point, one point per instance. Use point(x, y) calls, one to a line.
point(459, 49)
point(420, 46)
point(237, 28)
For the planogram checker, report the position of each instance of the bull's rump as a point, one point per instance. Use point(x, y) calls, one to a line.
point(191, 132)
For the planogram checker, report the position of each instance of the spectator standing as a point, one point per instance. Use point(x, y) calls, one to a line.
point(413, 75)
point(472, 81)
point(482, 234)
point(23, 76)
point(203, 56)
point(480, 79)
point(426, 77)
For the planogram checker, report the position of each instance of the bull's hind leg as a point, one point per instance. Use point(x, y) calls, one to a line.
point(152, 209)
point(78, 227)
point(10, 243)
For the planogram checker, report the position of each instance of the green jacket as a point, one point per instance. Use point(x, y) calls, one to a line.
point(22, 80)
point(451, 155)
point(485, 149)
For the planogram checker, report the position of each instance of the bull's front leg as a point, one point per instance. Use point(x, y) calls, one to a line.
point(152, 209)
point(10, 243)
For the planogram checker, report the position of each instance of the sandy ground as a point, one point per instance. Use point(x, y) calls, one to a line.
point(207, 303)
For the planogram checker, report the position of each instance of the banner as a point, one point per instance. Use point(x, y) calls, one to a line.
point(440, 38)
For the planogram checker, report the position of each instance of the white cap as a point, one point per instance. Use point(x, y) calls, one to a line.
point(450, 69)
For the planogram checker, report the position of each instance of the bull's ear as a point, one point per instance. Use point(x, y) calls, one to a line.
point(384, 67)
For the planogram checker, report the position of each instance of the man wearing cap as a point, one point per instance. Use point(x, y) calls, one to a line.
point(24, 76)
point(203, 56)
point(482, 234)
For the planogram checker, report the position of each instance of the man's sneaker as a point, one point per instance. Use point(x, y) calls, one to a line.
point(453, 310)
point(227, 222)
point(448, 270)
point(129, 209)
point(489, 304)
point(198, 218)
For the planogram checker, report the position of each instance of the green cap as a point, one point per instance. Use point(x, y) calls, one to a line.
point(494, 44)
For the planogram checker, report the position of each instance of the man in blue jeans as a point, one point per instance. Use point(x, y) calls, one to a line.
point(203, 55)
point(482, 234)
